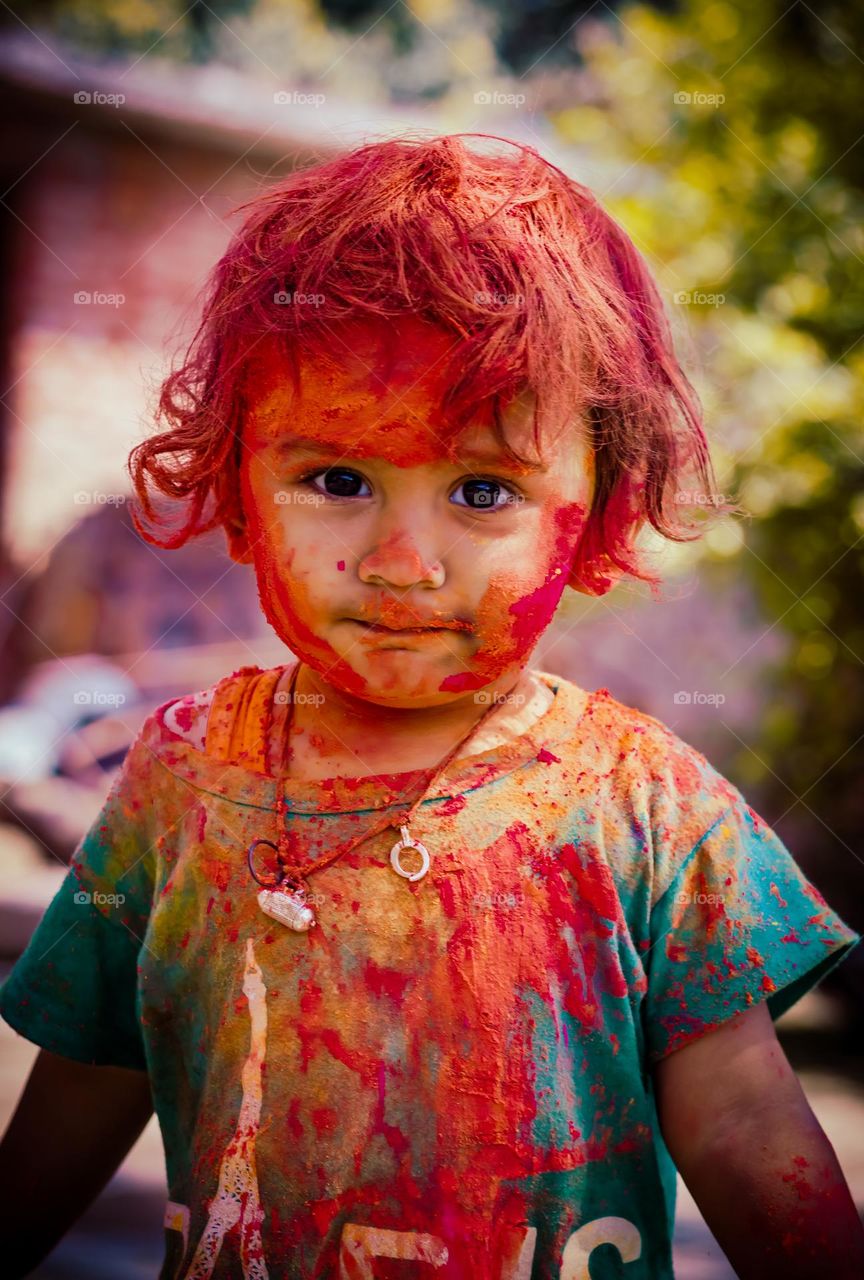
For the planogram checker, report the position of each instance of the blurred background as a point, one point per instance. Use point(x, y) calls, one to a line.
point(726, 138)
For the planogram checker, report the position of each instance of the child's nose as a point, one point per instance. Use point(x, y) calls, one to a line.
point(398, 562)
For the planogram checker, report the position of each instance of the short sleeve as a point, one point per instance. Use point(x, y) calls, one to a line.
point(739, 923)
point(74, 990)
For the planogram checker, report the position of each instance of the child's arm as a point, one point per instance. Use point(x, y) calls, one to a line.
point(71, 1130)
point(756, 1160)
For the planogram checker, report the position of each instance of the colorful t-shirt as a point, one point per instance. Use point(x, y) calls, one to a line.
point(446, 1077)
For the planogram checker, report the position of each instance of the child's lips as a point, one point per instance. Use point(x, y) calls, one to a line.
point(412, 628)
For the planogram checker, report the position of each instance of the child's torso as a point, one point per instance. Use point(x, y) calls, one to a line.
point(447, 1069)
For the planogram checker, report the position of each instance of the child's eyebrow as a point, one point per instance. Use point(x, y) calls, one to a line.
point(292, 443)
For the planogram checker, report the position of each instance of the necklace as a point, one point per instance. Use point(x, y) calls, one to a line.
point(284, 896)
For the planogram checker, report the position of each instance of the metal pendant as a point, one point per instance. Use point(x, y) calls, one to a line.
point(408, 842)
point(288, 907)
point(282, 898)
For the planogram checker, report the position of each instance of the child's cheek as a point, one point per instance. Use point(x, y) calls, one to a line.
point(287, 602)
point(293, 614)
point(510, 621)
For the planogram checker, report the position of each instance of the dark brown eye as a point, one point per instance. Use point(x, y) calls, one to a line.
point(483, 495)
point(339, 482)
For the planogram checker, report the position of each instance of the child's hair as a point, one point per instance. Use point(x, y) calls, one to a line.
point(540, 287)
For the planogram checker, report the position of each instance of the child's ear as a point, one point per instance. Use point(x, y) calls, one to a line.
point(238, 543)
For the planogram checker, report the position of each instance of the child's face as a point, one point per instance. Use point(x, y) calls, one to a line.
point(372, 522)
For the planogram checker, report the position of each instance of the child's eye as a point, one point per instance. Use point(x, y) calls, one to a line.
point(485, 495)
point(343, 482)
point(339, 482)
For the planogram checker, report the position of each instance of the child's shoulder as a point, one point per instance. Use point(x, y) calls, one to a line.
point(203, 718)
point(628, 735)
point(642, 758)
point(186, 717)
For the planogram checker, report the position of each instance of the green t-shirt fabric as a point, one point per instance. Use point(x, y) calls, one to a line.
point(446, 1077)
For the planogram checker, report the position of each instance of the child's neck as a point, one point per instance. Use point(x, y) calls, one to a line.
point(353, 738)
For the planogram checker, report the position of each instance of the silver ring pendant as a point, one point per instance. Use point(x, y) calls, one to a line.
point(407, 841)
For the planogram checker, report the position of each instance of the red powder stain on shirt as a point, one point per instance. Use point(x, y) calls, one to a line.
point(293, 1123)
point(583, 893)
point(546, 757)
point(768, 984)
point(448, 901)
point(322, 1211)
point(384, 981)
point(594, 887)
point(791, 936)
point(366, 1065)
point(454, 805)
point(185, 715)
point(340, 565)
point(754, 957)
point(395, 1138)
point(758, 824)
point(625, 1146)
point(311, 999)
point(217, 872)
point(596, 1149)
point(816, 896)
point(325, 1120)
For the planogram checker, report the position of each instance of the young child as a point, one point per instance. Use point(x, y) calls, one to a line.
point(431, 963)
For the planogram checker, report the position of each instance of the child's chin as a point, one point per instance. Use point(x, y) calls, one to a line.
point(397, 676)
point(394, 673)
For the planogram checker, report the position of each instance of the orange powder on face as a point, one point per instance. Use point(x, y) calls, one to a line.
point(389, 410)
point(354, 403)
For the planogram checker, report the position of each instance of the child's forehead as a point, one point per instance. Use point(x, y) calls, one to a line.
point(374, 391)
point(409, 355)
